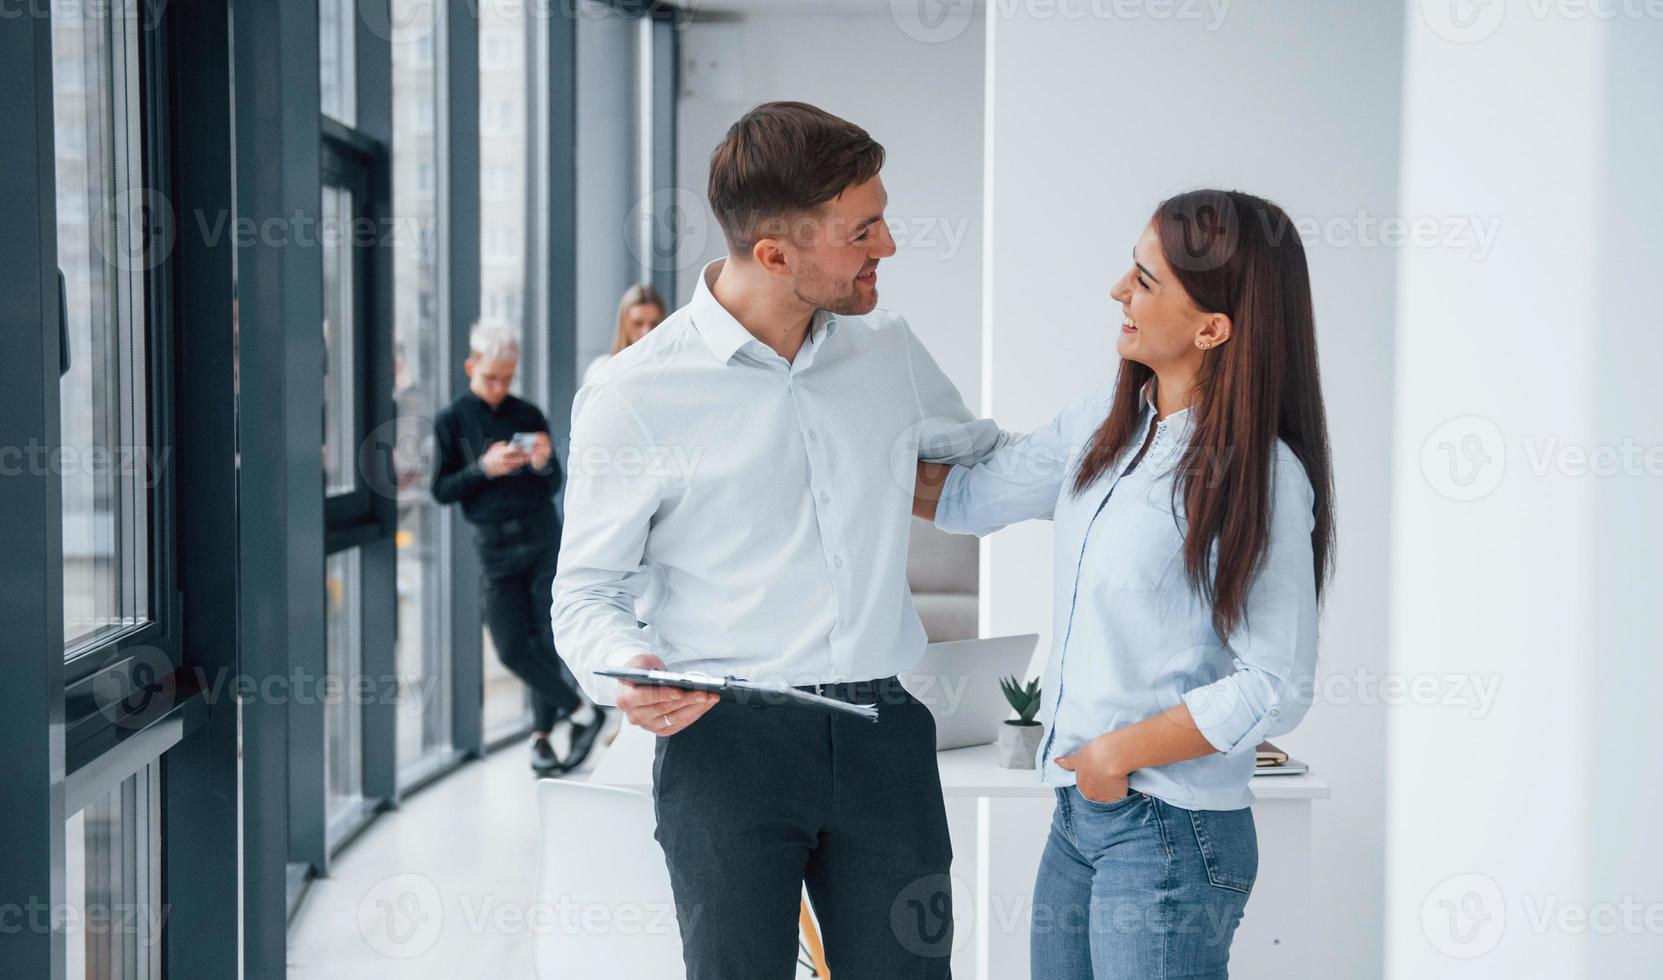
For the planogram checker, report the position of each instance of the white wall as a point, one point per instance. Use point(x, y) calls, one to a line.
point(606, 173)
point(923, 102)
point(1092, 121)
point(1528, 550)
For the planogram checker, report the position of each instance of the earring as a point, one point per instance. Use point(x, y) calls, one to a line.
point(1200, 346)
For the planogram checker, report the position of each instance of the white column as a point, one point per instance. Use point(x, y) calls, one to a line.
point(1526, 510)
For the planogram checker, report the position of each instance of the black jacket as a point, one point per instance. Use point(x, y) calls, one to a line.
point(463, 432)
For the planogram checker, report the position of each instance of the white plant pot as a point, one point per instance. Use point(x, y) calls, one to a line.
point(1018, 744)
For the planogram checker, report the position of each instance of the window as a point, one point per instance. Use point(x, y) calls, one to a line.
point(113, 914)
point(338, 64)
point(108, 236)
point(340, 341)
point(504, 152)
point(343, 698)
point(498, 180)
point(419, 372)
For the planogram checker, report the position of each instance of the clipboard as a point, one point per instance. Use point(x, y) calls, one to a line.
point(741, 691)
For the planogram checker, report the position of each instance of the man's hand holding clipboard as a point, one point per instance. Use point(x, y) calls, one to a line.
point(661, 710)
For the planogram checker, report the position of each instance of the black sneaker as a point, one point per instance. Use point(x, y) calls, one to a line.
point(583, 740)
point(543, 760)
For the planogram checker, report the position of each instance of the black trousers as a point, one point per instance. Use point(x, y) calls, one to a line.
point(517, 585)
point(755, 801)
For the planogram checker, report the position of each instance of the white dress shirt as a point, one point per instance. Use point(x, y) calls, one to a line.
point(752, 512)
point(1130, 637)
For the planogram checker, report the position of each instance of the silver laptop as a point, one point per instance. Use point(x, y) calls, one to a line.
point(959, 681)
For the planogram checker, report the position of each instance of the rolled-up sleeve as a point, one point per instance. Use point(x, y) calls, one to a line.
point(1274, 646)
point(610, 503)
point(1021, 478)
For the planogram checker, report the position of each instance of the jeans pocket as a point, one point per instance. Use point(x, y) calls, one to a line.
point(1229, 847)
point(1103, 806)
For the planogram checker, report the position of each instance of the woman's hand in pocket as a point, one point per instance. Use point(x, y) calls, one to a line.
point(1096, 775)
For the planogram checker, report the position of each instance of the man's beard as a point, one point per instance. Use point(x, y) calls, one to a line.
point(839, 298)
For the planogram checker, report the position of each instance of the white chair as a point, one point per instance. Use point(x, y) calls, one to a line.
point(602, 887)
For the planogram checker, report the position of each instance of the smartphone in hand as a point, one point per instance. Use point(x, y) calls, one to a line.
point(525, 442)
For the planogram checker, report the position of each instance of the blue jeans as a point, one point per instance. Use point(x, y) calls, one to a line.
point(1139, 889)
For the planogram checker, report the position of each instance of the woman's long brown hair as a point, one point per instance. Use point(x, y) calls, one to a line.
point(1239, 255)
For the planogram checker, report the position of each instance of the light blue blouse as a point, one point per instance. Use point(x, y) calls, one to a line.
point(1130, 637)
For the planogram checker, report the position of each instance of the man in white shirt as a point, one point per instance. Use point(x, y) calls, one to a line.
point(741, 482)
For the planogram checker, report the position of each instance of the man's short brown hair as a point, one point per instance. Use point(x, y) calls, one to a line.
point(783, 159)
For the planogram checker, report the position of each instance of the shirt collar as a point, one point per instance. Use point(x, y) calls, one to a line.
point(723, 333)
point(1177, 420)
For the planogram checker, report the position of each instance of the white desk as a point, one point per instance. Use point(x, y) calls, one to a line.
point(999, 818)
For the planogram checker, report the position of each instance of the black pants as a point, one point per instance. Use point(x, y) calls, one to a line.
point(517, 584)
point(755, 801)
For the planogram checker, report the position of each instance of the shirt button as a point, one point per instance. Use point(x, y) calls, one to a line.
point(813, 436)
point(837, 560)
point(825, 498)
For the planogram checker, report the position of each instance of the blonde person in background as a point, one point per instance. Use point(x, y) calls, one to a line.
point(639, 311)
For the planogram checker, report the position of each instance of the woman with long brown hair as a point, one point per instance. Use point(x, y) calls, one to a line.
point(639, 310)
point(1193, 507)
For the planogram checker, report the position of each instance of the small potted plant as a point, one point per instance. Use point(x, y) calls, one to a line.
point(1019, 738)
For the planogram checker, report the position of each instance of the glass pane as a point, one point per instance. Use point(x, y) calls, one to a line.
point(418, 382)
point(113, 915)
point(106, 241)
point(339, 342)
point(336, 39)
point(507, 699)
point(504, 157)
point(343, 663)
